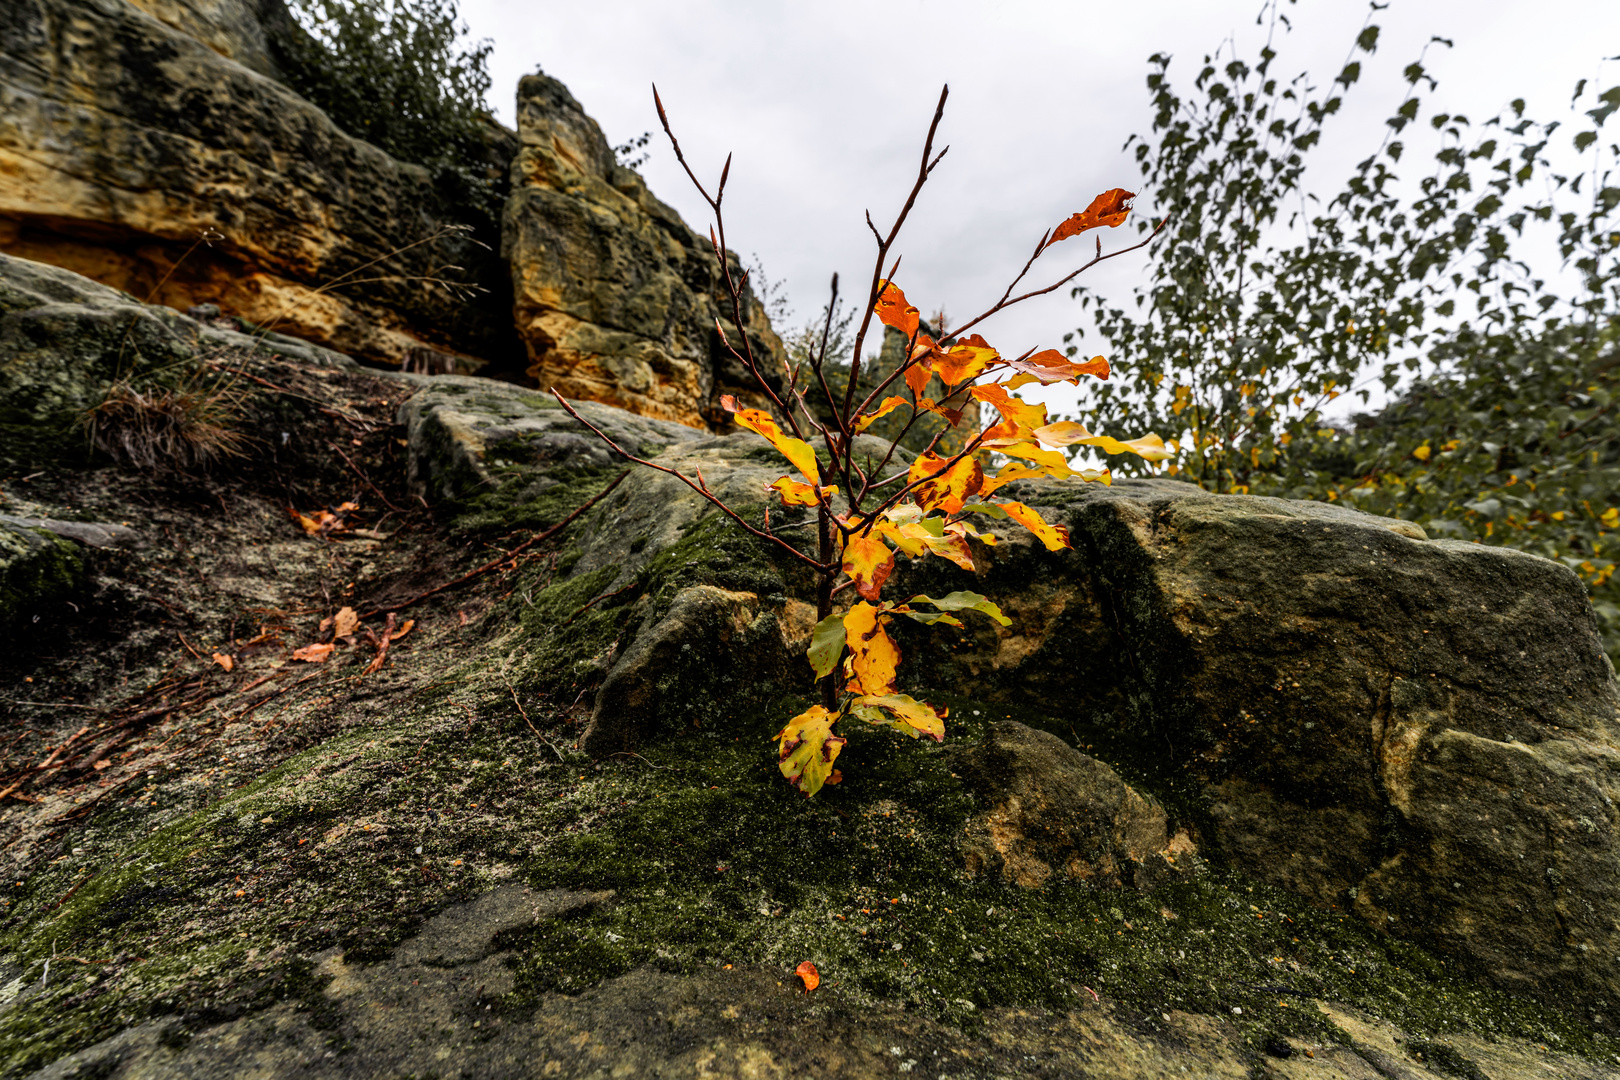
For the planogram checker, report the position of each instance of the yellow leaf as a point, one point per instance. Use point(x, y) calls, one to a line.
point(1055, 537)
point(873, 656)
point(941, 488)
point(797, 451)
point(807, 750)
point(868, 560)
point(909, 715)
point(1610, 517)
point(1422, 452)
point(1068, 433)
point(794, 493)
point(889, 405)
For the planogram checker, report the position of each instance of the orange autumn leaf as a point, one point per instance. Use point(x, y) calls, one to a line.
point(224, 661)
point(951, 487)
point(797, 451)
point(344, 622)
point(809, 975)
point(402, 631)
point(313, 654)
point(869, 562)
point(1111, 208)
point(1049, 366)
point(324, 522)
point(967, 358)
point(1055, 537)
point(1021, 417)
point(893, 310)
point(873, 656)
point(952, 545)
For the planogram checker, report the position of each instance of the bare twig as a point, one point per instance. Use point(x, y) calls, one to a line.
point(361, 474)
point(525, 713)
point(700, 488)
point(539, 537)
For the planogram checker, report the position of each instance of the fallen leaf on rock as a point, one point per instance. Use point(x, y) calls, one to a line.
point(402, 631)
point(324, 522)
point(102, 764)
point(314, 654)
point(224, 661)
point(344, 622)
point(807, 971)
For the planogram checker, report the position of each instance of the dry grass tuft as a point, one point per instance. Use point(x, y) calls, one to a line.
point(190, 425)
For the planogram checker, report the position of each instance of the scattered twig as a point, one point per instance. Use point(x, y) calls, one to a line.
point(364, 478)
point(525, 713)
point(382, 647)
point(538, 537)
point(650, 765)
point(583, 608)
point(187, 644)
point(68, 896)
point(56, 705)
point(46, 764)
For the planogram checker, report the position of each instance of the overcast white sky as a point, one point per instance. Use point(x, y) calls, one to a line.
point(825, 105)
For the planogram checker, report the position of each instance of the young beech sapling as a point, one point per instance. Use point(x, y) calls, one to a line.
point(867, 510)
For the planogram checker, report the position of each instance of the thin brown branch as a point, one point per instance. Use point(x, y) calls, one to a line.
point(700, 488)
point(884, 244)
point(537, 538)
point(364, 478)
point(1003, 304)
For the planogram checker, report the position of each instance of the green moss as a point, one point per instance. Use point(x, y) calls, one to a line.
point(36, 568)
point(715, 862)
point(516, 502)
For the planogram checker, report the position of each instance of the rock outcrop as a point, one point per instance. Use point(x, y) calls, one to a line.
point(1053, 813)
point(150, 160)
point(1422, 731)
point(229, 852)
point(616, 297)
point(65, 339)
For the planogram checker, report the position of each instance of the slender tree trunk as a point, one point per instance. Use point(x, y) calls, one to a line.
point(824, 588)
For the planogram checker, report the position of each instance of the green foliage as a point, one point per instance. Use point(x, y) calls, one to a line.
point(1260, 311)
point(396, 74)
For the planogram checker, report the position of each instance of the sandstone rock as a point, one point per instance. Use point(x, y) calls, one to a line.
point(471, 436)
point(125, 142)
point(64, 339)
point(1422, 731)
point(37, 568)
point(236, 29)
point(616, 298)
point(1056, 812)
point(667, 683)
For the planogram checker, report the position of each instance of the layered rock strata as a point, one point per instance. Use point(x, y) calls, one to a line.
point(142, 157)
point(616, 297)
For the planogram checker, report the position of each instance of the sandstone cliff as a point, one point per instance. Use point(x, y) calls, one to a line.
point(124, 141)
point(616, 298)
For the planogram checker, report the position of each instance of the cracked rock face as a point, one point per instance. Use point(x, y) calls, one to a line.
point(127, 134)
point(1055, 813)
point(616, 297)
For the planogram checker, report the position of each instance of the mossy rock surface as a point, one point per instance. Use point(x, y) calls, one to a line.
point(299, 868)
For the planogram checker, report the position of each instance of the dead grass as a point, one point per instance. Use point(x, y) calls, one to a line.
point(192, 424)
